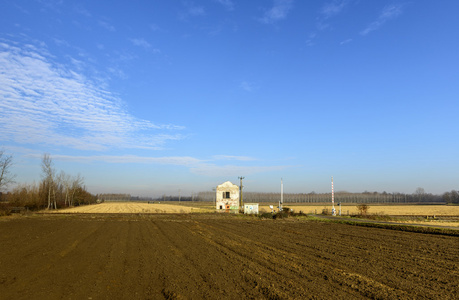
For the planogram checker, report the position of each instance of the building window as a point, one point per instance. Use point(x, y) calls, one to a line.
point(226, 195)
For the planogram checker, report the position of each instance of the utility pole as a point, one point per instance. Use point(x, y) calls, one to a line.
point(240, 191)
point(282, 196)
point(333, 198)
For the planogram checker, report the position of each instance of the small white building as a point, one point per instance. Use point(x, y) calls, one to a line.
point(250, 208)
point(227, 197)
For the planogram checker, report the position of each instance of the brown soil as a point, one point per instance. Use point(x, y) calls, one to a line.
point(197, 256)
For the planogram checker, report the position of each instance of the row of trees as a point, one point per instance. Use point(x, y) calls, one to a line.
point(344, 197)
point(55, 190)
point(451, 197)
point(114, 197)
point(59, 186)
point(35, 196)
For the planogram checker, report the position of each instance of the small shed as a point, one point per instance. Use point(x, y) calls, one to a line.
point(227, 197)
point(251, 208)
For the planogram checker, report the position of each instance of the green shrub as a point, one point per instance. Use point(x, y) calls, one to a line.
point(281, 215)
point(266, 215)
point(363, 209)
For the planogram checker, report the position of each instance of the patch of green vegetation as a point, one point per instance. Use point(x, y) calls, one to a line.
point(266, 215)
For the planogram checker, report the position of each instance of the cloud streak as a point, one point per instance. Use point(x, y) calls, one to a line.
point(247, 86)
point(44, 102)
point(233, 157)
point(140, 42)
point(277, 12)
point(327, 12)
point(228, 4)
point(107, 26)
point(389, 12)
point(196, 166)
point(168, 160)
point(334, 8)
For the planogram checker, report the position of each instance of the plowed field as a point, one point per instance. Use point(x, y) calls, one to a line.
point(191, 256)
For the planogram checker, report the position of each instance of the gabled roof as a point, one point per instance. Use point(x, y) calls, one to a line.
point(227, 184)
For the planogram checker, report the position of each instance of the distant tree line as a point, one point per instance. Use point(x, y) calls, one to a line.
point(344, 197)
point(451, 197)
point(175, 198)
point(55, 190)
point(114, 197)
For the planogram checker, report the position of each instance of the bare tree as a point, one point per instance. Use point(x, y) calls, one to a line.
point(66, 181)
point(420, 193)
point(48, 176)
point(77, 182)
point(6, 178)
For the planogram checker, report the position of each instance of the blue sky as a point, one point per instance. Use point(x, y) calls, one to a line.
point(153, 97)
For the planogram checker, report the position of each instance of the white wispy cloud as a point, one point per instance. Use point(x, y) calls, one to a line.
point(277, 12)
point(117, 72)
point(191, 10)
point(206, 167)
point(44, 102)
point(82, 11)
point(328, 11)
point(228, 4)
point(310, 40)
point(232, 157)
point(107, 25)
point(155, 27)
point(140, 42)
point(346, 42)
point(389, 12)
point(248, 86)
point(323, 22)
point(333, 8)
point(234, 165)
point(196, 11)
point(167, 160)
point(55, 6)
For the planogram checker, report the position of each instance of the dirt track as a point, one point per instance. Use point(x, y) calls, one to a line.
point(215, 256)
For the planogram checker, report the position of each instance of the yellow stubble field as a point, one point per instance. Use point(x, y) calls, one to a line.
point(130, 208)
point(391, 210)
point(144, 207)
point(202, 207)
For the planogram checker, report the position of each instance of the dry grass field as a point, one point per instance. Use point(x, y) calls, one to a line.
point(131, 208)
point(206, 207)
point(189, 207)
point(391, 210)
